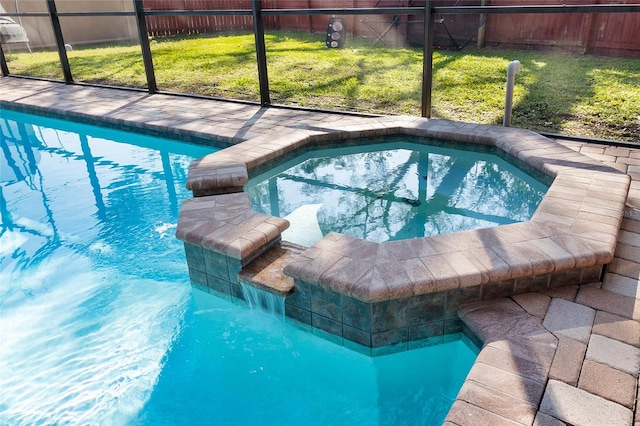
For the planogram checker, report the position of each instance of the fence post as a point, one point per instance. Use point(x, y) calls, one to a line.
point(427, 60)
point(144, 45)
point(586, 35)
point(57, 32)
point(482, 22)
point(261, 56)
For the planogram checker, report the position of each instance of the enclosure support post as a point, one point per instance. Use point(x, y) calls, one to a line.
point(258, 32)
point(3, 63)
point(427, 60)
point(57, 32)
point(144, 45)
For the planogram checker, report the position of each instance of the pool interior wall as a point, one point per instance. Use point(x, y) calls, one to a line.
point(402, 293)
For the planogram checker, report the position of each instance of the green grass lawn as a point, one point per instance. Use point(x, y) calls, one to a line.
point(577, 95)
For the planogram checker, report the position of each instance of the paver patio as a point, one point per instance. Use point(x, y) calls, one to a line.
point(571, 354)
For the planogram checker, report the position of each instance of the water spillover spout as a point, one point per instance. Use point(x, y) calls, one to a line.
point(512, 70)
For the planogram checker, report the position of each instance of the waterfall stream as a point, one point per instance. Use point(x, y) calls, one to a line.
point(263, 300)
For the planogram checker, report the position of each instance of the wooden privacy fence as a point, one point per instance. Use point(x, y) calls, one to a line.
point(192, 24)
point(195, 24)
point(612, 34)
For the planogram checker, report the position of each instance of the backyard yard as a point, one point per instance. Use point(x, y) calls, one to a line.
point(578, 95)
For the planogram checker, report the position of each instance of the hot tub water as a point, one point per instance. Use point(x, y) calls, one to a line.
point(395, 190)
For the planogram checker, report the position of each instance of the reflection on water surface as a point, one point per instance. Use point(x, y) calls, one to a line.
point(395, 190)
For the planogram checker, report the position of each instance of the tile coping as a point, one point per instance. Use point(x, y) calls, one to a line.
point(575, 226)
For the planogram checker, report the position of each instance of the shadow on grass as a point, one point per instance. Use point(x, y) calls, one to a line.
point(579, 95)
point(365, 79)
point(536, 109)
point(99, 69)
point(49, 67)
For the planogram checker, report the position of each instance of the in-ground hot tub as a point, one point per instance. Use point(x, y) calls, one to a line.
point(395, 188)
point(401, 294)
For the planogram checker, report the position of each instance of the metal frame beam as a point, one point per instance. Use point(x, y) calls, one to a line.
point(3, 63)
point(261, 52)
point(147, 58)
point(57, 32)
point(586, 8)
point(427, 60)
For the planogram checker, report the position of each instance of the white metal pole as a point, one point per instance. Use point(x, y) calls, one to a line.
point(512, 70)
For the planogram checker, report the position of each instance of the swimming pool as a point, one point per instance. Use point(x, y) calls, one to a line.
point(394, 190)
point(99, 324)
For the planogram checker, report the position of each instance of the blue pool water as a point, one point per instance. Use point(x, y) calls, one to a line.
point(99, 324)
point(394, 189)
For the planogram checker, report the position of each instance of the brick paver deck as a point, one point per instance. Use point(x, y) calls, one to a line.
point(568, 355)
point(591, 374)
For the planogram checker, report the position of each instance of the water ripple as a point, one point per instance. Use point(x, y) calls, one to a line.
point(63, 361)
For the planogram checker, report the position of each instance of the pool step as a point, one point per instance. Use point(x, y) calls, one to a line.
point(265, 272)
